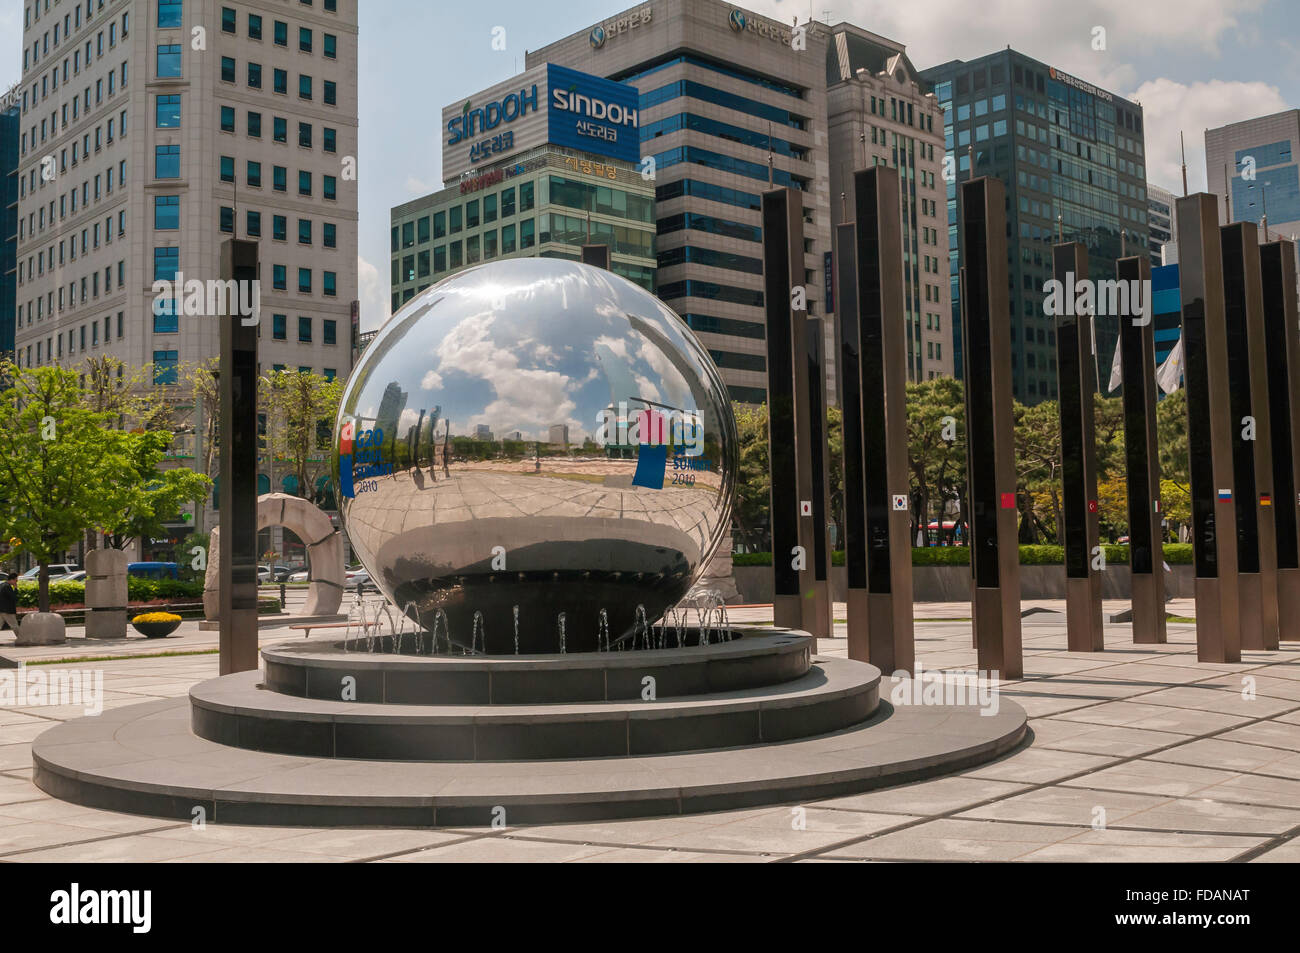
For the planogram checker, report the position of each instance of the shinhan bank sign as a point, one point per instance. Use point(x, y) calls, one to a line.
point(546, 104)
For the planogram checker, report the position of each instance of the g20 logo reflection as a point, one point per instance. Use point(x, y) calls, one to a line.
point(360, 459)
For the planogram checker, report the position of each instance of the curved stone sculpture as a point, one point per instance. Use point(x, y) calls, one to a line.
point(324, 553)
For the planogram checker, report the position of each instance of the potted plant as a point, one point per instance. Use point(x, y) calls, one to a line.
point(156, 625)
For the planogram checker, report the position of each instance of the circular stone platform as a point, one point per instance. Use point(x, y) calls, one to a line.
point(244, 753)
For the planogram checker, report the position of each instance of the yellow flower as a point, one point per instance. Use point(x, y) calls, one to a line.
point(156, 617)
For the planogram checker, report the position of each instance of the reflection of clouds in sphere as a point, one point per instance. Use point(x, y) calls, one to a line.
point(491, 392)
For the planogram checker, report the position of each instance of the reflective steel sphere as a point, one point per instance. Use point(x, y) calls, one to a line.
point(535, 455)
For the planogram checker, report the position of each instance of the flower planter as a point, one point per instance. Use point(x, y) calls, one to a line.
point(156, 630)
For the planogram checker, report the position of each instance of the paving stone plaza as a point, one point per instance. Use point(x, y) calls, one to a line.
point(1137, 754)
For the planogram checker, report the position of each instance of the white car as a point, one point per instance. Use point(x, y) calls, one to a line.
point(299, 576)
point(57, 571)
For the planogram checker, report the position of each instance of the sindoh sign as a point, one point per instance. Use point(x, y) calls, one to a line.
point(548, 103)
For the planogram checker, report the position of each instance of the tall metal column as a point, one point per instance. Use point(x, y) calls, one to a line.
point(1278, 271)
point(990, 438)
point(818, 611)
point(1209, 429)
point(788, 418)
point(1252, 436)
point(855, 494)
point(1142, 458)
point(882, 326)
point(1076, 384)
point(237, 571)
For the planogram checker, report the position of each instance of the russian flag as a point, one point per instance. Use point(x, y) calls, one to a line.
point(1225, 494)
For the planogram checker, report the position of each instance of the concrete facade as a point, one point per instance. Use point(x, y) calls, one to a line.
point(880, 112)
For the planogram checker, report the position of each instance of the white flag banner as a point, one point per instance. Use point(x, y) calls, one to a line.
point(1116, 368)
point(1170, 375)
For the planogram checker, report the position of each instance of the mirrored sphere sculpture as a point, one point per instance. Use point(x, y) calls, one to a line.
point(535, 456)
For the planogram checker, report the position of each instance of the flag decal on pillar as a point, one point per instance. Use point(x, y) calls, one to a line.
point(1008, 501)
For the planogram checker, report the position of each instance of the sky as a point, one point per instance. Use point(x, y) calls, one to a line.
point(1192, 64)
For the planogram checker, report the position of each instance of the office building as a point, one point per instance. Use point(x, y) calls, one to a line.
point(1162, 223)
point(731, 104)
point(10, 129)
point(1261, 159)
point(1072, 157)
point(152, 132)
point(536, 166)
point(881, 112)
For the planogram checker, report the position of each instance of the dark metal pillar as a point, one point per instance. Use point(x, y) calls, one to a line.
point(1281, 328)
point(818, 611)
point(788, 418)
point(597, 255)
point(882, 326)
point(238, 453)
point(1209, 429)
point(1076, 384)
point(990, 438)
point(1252, 436)
point(855, 498)
point(1142, 457)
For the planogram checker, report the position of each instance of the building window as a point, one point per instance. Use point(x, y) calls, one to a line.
point(167, 112)
point(304, 330)
point(329, 187)
point(254, 224)
point(279, 178)
point(167, 162)
point(304, 87)
point(304, 135)
point(331, 46)
point(255, 125)
point(304, 40)
point(279, 327)
point(304, 281)
point(279, 278)
point(165, 367)
point(226, 165)
point(329, 140)
point(169, 61)
point(166, 212)
point(227, 119)
point(254, 26)
point(281, 129)
point(329, 331)
point(526, 235)
point(164, 319)
point(254, 174)
point(254, 75)
point(471, 214)
point(330, 284)
point(304, 231)
point(227, 219)
point(280, 228)
point(229, 20)
point(227, 69)
point(329, 235)
point(170, 13)
point(281, 33)
point(166, 262)
point(304, 183)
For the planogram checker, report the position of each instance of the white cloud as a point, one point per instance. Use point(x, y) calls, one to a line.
point(418, 186)
point(432, 381)
point(373, 292)
point(1192, 108)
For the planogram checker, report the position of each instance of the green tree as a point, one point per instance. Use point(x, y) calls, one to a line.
point(936, 450)
point(753, 478)
point(301, 408)
point(61, 465)
point(143, 499)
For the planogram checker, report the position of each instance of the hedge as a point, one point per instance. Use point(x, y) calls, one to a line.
point(1176, 554)
point(138, 590)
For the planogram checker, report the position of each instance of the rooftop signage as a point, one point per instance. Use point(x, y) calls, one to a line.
point(1079, 84)
point(546, 104)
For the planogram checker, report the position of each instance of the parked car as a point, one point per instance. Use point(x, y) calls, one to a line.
point(154, 570)
point(355, 578)
point(56, 571)
point(78, 576)
point(300, 576)
point(282, 573)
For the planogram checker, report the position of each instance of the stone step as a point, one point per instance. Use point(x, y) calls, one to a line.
point(237, 711)
point(144, 759)
point(758, 656)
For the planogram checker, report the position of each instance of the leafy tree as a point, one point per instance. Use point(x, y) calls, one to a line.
point(301, 408)
point(936, 450)
point(145, 497)
point(61, 465)
point(753, 478)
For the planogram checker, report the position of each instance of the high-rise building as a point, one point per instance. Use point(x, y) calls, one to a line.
point(10, 123)
point(1162, 222)
point(1072, 157)
point(536, 166)
point(1261, 158)
point(154, 131)
point(732, 104)
point(881, 112)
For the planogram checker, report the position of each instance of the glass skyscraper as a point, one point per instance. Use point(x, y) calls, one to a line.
point(1073, 161)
